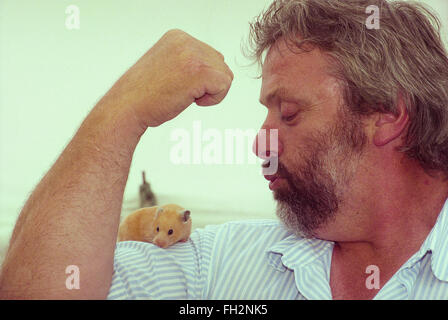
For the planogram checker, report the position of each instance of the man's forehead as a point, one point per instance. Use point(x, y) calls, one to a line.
point(284, 63)
point(298, 76)
point(275, 57)
point(285, 55)
point(273, 67)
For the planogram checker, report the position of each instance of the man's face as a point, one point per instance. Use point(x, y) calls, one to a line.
point(319, 141)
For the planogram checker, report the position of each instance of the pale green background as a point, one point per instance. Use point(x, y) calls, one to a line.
point(50, 78)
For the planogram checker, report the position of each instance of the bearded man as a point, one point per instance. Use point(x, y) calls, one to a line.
point(362, 122)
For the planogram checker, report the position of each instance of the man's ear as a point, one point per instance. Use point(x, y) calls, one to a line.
point(390, 126)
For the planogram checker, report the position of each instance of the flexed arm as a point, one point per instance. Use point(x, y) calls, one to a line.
point(70, 218)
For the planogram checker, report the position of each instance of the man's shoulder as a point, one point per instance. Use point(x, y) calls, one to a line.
point(250, 233)
point(255, 223)
point(225, 239)
point(252, 225)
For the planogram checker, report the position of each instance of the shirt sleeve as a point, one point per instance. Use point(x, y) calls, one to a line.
point(144, 271)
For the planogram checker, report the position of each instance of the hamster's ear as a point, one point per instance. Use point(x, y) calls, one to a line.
point(159, 210)
point(185, 215)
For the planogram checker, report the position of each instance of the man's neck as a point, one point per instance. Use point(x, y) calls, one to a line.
point(402, 211)
point(386, 228)
point(353, 262)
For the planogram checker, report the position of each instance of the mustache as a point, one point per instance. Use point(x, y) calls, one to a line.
point(279, 168)
point(281, 171)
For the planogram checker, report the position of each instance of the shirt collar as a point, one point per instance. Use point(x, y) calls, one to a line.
point(293, 251)
point(437, 244)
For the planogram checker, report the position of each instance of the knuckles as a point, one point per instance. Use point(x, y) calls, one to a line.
point(191, 53)
point(186, 51)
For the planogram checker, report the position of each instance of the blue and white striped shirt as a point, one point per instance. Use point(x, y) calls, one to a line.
point(259, 259)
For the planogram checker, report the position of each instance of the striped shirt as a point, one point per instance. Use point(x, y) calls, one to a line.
point(260, 259)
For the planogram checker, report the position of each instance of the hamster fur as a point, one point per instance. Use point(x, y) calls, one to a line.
point(161, 225)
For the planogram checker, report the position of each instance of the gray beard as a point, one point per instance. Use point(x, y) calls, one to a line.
point(317, 188)
point(310, 202)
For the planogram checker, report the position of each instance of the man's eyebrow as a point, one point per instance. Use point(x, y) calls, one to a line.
point(282, 93)
point(278, 92)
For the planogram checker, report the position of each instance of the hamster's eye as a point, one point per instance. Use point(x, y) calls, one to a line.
point(170, 232)
point(157, 229)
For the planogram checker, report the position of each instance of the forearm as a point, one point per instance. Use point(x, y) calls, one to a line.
point(72, 216)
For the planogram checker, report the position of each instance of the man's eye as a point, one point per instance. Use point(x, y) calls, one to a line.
point(170, 232)
point(288, 118)
point(157, 229)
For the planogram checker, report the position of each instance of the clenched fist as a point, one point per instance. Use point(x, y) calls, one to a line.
point(177, 71)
